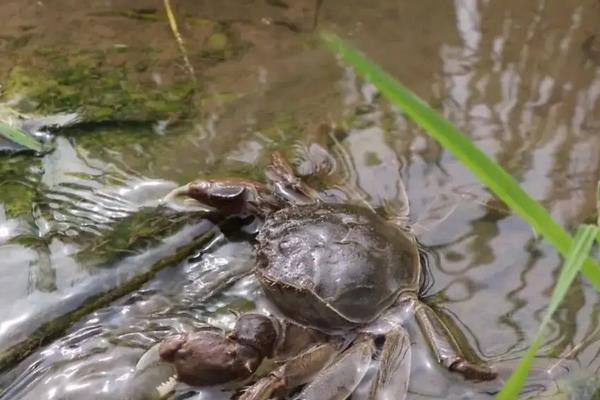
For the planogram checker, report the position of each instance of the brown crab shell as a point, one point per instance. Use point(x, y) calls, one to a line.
point(334, 266)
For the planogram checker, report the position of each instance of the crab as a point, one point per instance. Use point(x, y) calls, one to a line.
point(332, 270)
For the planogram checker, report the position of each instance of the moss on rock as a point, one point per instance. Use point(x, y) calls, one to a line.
point(18, 186)
point(86, 83)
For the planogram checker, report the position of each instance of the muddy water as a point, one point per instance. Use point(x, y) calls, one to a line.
point(522, 78)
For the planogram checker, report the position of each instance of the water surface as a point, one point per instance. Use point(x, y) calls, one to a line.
point(521, 78)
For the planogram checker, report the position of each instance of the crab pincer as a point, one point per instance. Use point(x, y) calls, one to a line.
point(210, 358)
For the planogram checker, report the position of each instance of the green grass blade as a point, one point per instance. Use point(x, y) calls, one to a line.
point(512, 387)
point(598, 211)
point(580, 249)
point(598, 205)
point(18, 136)
point(454, 141)
point(179, 38)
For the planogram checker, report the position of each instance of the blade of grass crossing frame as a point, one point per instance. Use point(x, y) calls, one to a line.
point(179, 38)
point(457, 143)
point(598, 211)
point(18, 136)
point(579, 251)
point(598, 205)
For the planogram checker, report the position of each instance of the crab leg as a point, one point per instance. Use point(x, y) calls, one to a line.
point(294, 372)
point(236, 196)
point(445, 347)
point(339, 380)
point(392, 378)
point(285, 184)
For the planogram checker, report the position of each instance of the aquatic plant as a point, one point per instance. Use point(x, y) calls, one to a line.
point(85, 82)
point(498, 181)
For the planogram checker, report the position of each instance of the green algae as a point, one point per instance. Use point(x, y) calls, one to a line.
point(372, 159)
point(18, 184)
point(125, 139)
point(133, 234)
point(87, 83)
point(218, 41)
point(221, 42)
point(17, 199)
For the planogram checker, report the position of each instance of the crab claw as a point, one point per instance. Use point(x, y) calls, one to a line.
point(208, 358)
point(179, 199)
point(226, 196)
point(153, 379)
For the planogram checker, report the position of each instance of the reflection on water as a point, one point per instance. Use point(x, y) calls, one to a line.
point(521, 78)
point(98, 356)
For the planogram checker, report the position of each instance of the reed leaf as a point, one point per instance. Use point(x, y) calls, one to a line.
point(20, 137)
point(576, 256)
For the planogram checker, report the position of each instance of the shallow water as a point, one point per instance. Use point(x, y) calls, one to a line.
point(521, 78)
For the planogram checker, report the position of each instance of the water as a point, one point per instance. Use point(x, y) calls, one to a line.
point(521, 78)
